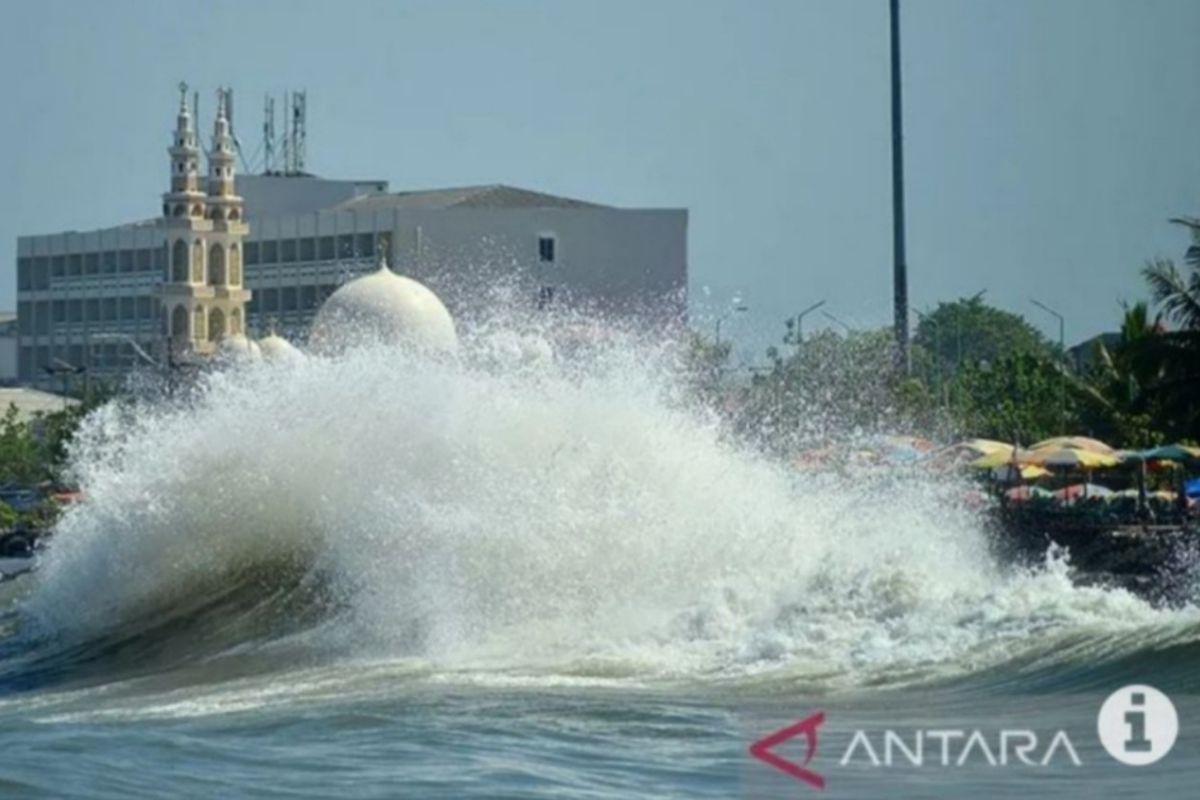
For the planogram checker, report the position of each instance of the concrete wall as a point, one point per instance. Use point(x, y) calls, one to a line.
point(79, 292)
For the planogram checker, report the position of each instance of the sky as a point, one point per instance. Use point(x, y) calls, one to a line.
point(1047, 142)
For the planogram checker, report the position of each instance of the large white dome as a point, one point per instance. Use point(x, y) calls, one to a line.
point(384, 307)
point(277, 348)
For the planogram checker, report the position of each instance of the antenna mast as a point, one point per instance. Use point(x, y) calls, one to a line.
point(268, 134)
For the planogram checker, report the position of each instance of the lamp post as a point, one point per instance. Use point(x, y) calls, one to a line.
point(800, 321)
point(738, 309)
point(837, 321)
point(1062, 372)
point(133, 344)
point(899, 265)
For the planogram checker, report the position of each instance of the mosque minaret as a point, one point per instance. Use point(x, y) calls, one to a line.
point(202, 295)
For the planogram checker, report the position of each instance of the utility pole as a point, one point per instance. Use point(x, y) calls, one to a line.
point(1062, 367)
point(900, 268)
point(800, 322)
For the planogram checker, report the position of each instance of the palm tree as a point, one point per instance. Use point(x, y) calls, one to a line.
point(1179, 296)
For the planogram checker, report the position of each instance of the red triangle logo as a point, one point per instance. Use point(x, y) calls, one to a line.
point(807, 728)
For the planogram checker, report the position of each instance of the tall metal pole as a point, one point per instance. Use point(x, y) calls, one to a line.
point(900, 268)
point(1062, 367)
point(800, 322)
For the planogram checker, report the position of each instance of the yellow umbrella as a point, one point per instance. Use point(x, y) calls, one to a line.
point(1070, 457)
point(999, 458)
point(1073, 443)
point(1028, 472)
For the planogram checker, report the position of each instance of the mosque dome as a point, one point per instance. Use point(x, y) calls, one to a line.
point(384, 307)
point(238, 346)
point(277, 348)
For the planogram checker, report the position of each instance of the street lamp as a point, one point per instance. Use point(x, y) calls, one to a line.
point(124, 337)
point(800, 321)
point(1062, 372)
point(738, 309)
point(837, 321)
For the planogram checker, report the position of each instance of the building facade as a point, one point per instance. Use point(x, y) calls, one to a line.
point(264, 252)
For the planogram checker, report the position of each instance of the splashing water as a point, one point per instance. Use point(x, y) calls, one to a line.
point(539, 520)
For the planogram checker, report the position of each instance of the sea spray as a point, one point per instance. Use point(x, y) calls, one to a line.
point(506, 514)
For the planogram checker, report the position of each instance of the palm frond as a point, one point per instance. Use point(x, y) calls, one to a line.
point(1179, 297)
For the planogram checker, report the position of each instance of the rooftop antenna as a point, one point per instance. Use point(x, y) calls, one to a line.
point(237, 143)
point(299, 103)
point(287, 134)
point(268, 135)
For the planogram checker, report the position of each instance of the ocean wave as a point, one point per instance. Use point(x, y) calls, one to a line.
point(552, 521)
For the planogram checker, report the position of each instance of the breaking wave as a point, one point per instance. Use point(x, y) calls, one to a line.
point(516, 517)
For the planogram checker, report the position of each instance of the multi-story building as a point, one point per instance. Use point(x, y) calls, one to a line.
point(266, 252)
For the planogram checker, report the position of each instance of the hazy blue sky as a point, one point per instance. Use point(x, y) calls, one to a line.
point(1048, 141)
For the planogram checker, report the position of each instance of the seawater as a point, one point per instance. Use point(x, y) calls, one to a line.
point(512, 574)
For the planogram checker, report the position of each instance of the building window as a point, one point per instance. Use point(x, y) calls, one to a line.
point(24, 274)
point(251, 253)
point(546, 247)
point(110, 309)
point(41, 313)
point(326, 248)
point(270, 300)
point(308, 249)
point(25, 318)
point(145, 308)
point(345, 246)
point(290, 298)
point(308, 297)
point(145, 259)
point(41, 273)
point(128, 308)
point(179, 261)
point(366, 245)
point(75, 264)
point(216, 265)
point(288, 251)
point(58, 266)
point(126, 260)
point(75, 311)
point(91, 264)
point(160, 258)
point(110, 261)
point(92, 310)
point(59, 308)
point(270, 252)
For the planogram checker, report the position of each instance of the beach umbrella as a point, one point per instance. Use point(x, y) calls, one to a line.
point(1069, 457)
point(999, 458)
point(969, 450)
point(1073, 443)
point(1028, 472)
point(1168, 452)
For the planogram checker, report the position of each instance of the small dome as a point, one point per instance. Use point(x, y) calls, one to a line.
point(238, 346)
point(384, 307)
point(277, 348)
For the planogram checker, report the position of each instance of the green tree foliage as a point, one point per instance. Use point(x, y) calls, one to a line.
point(824, 386)
point(968, 331)
point(1013, 397)
point(34, 451)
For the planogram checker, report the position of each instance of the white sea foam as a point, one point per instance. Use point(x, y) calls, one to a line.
point(564, 517)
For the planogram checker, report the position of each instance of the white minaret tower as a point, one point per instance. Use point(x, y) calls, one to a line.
point(227, 311)
point(183, 293)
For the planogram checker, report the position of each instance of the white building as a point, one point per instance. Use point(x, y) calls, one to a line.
point(85, 297)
